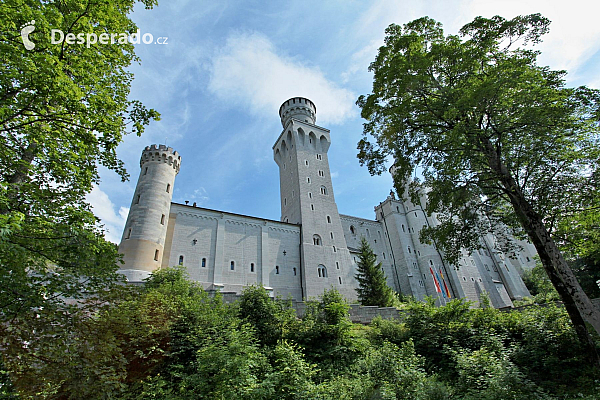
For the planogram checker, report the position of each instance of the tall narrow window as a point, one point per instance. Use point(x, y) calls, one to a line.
point(337, 265)
point(294, 269)
point(128, 234)
point(409, 250)
point(168, 187)
point(331, 234)
point(340, 279)
point(384, 256)
point(180, 260)
point(137, 199)
point(307, 180)
point(251, 267)
point(277, 270)
point(329, 221)
point(156, 255)
point(403, 229)
point(334, 250)
point(232, 265)
point(312, 207)
point(146, 171)
point(352, 229)
point(309, 195)
point(162, 219)
point(203, 263)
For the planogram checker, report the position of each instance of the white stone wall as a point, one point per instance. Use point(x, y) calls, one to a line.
point(222, 238)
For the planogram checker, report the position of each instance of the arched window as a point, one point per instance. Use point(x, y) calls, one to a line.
point(409, 250)
point(403, 229)
point(277, 270)
point(162, 219)
point(384, 256)
point(352, 230)
point(322, 271)
point(251, 267)
point(431, 262)
point(323, 190)
point(294, 269)
point(203, 263)
point(307, 180)
point(329, 221)
point(317, 240)
point(168, 187)
point(340, 279)
point(232, 265)
point(180, 260)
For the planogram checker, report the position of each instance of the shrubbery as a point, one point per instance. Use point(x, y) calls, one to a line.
point(171, 340)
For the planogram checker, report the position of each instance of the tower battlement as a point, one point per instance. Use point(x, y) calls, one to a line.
point(163, 154)
point(298, 108)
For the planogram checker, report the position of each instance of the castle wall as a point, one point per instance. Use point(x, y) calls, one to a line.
point(262, 251)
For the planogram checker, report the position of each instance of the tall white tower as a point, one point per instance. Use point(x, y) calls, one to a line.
point(143, 240)
point(307, 199)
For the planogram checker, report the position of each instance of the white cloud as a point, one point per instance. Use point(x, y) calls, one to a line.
point(104, 208)
point(248, 71)
point(335, 174)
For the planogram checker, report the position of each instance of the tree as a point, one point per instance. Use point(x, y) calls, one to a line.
point(64, 108)
point(373, 289)
point(500, 141)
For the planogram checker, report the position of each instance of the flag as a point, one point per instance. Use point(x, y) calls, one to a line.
point(435, 281)
point(445, 286)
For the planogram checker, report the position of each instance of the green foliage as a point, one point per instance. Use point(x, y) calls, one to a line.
point(373, 289)
point(272, 319)
point(64, 109)
point(539, 285)
point(170, 340)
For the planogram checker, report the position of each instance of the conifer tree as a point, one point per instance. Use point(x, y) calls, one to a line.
point(373, 289)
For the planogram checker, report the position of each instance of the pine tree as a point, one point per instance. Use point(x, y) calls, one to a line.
point(372, 286)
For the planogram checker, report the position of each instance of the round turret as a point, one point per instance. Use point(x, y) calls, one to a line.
point(145, 231)
point(298, 108)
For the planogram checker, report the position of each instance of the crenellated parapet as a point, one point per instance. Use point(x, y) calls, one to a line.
point(298, 108)
point(161, 154)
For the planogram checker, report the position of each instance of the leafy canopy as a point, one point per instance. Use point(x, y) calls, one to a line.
point(468, 110)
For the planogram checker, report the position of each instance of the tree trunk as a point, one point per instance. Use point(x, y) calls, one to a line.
point(577, 303)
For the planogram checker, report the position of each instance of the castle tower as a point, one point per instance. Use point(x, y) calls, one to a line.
point(143, 239)
point(307, 199)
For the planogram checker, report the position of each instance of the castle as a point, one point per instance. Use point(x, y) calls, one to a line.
point(313, 247)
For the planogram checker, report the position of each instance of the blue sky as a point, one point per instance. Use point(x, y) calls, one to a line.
point(229, 65)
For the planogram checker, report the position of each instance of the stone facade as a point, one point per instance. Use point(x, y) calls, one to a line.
point(313, 247)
